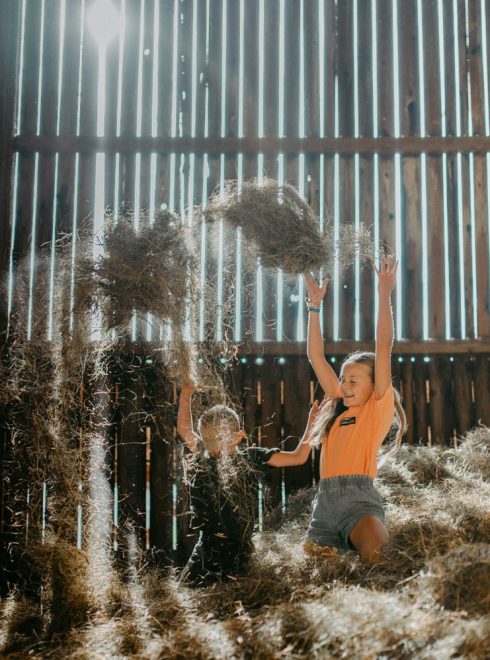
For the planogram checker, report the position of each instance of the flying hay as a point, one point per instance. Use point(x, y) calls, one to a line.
point(282, 230)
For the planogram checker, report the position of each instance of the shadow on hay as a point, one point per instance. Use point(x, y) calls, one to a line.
point(459, 579)
point(24, 624)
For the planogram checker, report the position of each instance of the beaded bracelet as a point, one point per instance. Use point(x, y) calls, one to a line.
point(311, 307)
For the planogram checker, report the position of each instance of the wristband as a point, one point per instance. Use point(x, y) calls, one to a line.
point(311, 306)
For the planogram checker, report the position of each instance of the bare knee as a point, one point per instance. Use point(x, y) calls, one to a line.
point(368, 537)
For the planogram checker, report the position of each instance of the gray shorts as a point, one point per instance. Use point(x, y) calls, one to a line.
point(338, 505)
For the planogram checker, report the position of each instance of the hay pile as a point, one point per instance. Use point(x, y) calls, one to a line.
point(282, 230)
point(57, 384)
point(427, 599)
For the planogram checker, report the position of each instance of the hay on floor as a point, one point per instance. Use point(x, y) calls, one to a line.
point(428, 598)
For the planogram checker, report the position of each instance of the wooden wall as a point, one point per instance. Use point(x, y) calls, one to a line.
point(376, 110)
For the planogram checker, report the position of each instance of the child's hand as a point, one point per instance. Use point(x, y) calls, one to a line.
point(315, 291)
point(386, 275)
point(189, 389)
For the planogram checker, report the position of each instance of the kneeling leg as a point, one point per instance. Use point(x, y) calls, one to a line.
point(368, 537)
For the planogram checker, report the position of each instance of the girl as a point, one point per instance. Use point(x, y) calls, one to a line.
point(348, 511)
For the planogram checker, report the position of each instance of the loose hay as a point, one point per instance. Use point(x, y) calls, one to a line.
point(281, 229)
point(428, 598)
point(55, 384)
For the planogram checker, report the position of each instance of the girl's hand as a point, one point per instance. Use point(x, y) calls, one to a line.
point(315, 291)
point(386, 275)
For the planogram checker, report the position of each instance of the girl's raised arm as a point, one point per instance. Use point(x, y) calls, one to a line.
point(384, 326)
point(314, 347)
point(184, 418)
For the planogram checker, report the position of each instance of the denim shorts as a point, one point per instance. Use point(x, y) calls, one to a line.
point(338, 505)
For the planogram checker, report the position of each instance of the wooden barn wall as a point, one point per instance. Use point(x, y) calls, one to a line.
point(376, 110)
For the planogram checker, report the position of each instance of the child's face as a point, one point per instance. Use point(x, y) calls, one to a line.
point(226, 446)
point(356, 384)
point(229, 446)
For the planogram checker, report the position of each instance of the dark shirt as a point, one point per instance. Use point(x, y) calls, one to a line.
point(224, 493)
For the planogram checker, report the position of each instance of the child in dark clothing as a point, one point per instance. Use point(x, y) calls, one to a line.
point(224, 486)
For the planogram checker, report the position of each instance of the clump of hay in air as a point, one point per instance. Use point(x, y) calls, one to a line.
point(281, 229)
point(144, 269)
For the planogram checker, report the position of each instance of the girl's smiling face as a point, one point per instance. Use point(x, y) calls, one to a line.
point(356, 383)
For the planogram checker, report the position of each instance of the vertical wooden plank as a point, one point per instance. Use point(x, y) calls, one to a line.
point(9, 56)
point(23, 220)
point(271, 64)
point(446, 19)
point(475, 66)
point(249, 272)
point(29, 92)
point(89, 83)
point(132, 443)
point(251, 68)
point(296, 377)
point(408, 68)
point(232, 54)
point(160, 416)
point(75, 36)
point(312, 62)
point(432, 80)
point(460, 19)
point(482, 389)
point(445, 364)
point(214, 68)
point(185, 68)
point(435, 248)
point(49, 92)
point(407, 381)
point(366, 188)
point(292, 69)
point(453, 247)
point(412, 248)
point(482, 240)
point(271, 417)
point(367, 278)
point(165, 68)
point(421, 421)
point(347, 277)
point(437, 401)
point(463, 392)
point(385, 66)
point(249, 398)
point(345, 74)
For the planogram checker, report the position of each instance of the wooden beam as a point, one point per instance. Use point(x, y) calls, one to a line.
point(384, 146)
point(435, 347)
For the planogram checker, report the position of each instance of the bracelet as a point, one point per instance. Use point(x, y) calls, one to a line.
point(311, 307)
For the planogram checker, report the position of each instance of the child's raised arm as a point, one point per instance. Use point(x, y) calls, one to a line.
point(384, 326)
point(314, 347)
point(299, 455)
point(184, 418)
